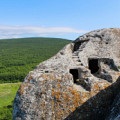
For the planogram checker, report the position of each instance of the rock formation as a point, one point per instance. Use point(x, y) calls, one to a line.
point(81, 82)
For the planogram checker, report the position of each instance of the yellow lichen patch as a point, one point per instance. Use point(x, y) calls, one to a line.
point(66, 97)
point(43, 104)
point(92, 93)
point(48, 76)
point(58, 85)
point(56, 104)
point(59, 114)
point(117, 73)
point(44, 76)
point(72, 108)
point(29, 78)
point(104, 85)
point(52, 104)
point(66, 102)
point(61, 104)
point(21, 89)
point(95, 88)
point(59, 80)
point(51, 77)
point(116, 32)
point(84, 97)
point(76, 99)
point(56, 94)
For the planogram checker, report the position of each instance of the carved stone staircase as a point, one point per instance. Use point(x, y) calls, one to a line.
point(75, 57)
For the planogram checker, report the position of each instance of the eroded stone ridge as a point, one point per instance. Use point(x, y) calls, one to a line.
point(79, 83)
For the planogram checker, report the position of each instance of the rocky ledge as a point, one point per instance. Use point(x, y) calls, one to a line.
point(81, 82)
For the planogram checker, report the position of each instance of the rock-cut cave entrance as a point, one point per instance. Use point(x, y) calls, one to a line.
point(76, 46)
point(74, 72)
point(93, 65)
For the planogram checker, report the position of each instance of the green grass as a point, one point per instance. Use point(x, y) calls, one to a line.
point(19, 56)
point(7, 95)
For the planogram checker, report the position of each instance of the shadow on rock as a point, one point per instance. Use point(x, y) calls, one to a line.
point(97, 107)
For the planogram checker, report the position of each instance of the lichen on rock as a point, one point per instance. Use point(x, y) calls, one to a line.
point(79, 83)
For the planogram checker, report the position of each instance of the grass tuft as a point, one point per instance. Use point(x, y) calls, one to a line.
point(7, 95)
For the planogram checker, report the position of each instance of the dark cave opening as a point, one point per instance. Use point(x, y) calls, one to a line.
point(93, 65)
point(74, 72)
point(76, 46)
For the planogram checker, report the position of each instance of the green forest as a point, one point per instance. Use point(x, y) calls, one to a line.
point(19, 56)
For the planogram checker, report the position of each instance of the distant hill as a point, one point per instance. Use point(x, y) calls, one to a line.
point(19, 56)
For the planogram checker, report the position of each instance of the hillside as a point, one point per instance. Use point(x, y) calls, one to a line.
point(19, 56)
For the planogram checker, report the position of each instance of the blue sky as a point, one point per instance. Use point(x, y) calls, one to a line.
point(56, 18)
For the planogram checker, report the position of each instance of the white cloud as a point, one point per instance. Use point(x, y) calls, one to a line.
point(29, 31)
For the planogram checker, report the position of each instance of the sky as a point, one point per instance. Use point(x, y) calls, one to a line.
point(56, 18)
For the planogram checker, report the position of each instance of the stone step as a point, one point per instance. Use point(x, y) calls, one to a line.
point(80, 49)
point(75, 57)
point(74, 53)
point(77, 63)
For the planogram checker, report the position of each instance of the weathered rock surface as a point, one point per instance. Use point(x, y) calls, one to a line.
point(114, 113)
point(81, 82)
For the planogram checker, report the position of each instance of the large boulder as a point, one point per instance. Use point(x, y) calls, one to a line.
point(79, 83)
